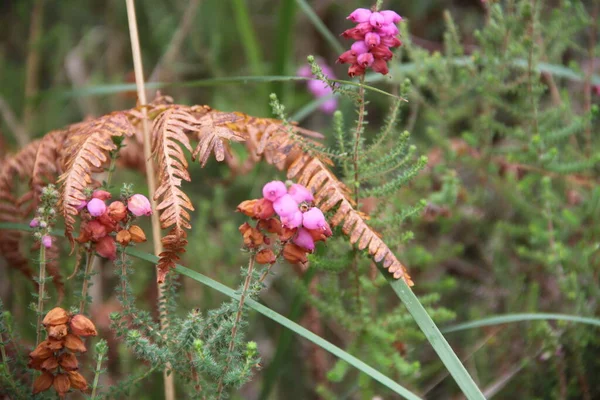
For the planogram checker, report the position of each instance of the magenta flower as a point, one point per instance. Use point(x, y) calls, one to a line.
point(365, 60)
point(314, 219)
point(359, 48)
point(285, 206)
point(34, 223)
point(372, 39)
point(274, 190)
point(300, 194)
point(390, 17)
point(292, 220)
point(304, 239)
point(96, 207)
point(139, 205)
point(47, 241)
point(318, 88)
point(360, 15)
point(376, 20)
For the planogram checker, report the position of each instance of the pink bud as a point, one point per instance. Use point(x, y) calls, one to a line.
point(391, 41)
point(355, 70)
point(358, 32)
point(285, 206)
point(382, 52)
point(380, 65)
point(304, 239)
point(96, 207)
point(390, 17)
point(359, 48)
point(329, 106)
point(274, 190)
point(300, 193)
point(388, 30)
point(376, 19)
point(34, 223)
point(139, 205)
point(360, 15)
point(365, 60)
point(347, 58)
point(81, 205)
point(372, 39)
point(293, 220)
point(47, 241)
point(101, 194)
point(314, 219)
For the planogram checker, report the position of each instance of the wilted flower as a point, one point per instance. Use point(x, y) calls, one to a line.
point(139, 205)
point(56, 316)
point(265, 256)
point(43, 382)
point(101, 194)
point(106, 247)
point(82, 326)
point(62, 384)
point(117, 211)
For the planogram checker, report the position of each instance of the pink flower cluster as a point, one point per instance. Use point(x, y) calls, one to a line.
point(318, 88)
point(293, 207)
point(375, 33)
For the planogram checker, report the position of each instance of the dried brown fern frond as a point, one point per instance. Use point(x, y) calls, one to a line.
point(86, 151)
point(169, 135)
point(214, 136)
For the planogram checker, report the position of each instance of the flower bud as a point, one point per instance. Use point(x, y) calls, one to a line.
point(96, 207)
point(294, 253)
point(34, 223)
point(388, 30)
point(360, 15)
point(107, 248)
point(47, 241)
point(265, 256)
point(139, 205)
point(123, 237)
point(50, 364)
point(101, 195)
point(56, 316)
point(137, 234)
point(74, 343)
point(82, 326)
point(263, 209)
point(77, 380)
point(62, 384)
point(313, 219)
point(347, 57)
point(117, 211)
point(359, 48)
point(43, 382)
point(274, 190)
point(57, 331)
point(68, 361)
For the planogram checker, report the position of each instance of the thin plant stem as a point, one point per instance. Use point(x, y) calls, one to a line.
point(96, 376)
point(587, 88)
point(41, 294)
point(86, 276)
point(236, 323)
point(4, 356)
point(150, 174)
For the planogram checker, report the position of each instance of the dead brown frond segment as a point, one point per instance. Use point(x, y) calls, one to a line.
point(214, 136)
point(85, 152)
point(169, 135)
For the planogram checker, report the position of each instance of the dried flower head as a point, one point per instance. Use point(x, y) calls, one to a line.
point(82, 326)
point(56, 316)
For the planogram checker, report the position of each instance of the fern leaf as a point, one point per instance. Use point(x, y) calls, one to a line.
point(211, 136)
point(169, 135)
point(86, 151)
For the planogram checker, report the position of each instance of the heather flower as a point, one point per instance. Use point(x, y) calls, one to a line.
point(372, 39)
point(376, 20)
point(96, 207)
point(285, 205)
point(274, 190)
point(101, 194)
point(365, 60)
point(359, 48)
point(139, 205)
point(314, 219)
point(106, 247)
point(293, 220)
point(304, 240)
point(390, 17)
point(300, 194)
point(319, 88)
point(34, 223)
point(360, 15)
point(47, 241)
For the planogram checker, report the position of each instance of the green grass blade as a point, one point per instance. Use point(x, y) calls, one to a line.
point(283, 44)
point(435, 338)
point(248, 36)
point(320, 26)
point(508, 318)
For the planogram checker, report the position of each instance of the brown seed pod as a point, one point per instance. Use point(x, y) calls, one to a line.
point(50, 364)
point(117, 211)
point(82, 326)
point(77, 380)
point(41, 352)
point(56, 316)
point(53, 344)
point(123, 237)
point(265, 256)
point(74, 343)
point(42, 382)
point(68, 361)
point(57, 331)
point(294, 253)
point(62, 384)
point(137, 234)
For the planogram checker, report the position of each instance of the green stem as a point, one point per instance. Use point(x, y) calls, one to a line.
point(84, 289)
point(41, 294)
point(97, 376)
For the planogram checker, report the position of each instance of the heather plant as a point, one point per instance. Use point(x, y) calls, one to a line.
point(449, 180)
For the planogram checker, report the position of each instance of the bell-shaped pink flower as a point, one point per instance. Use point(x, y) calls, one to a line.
point(96, 207)
point(390, 17)
point(382, 52)
point(300, 193)
point(360, 15)
point(347, 57)
point(285, 206)
point(34, 223)
point(365, 60)
point(81, 205)
point(304, 239)
point(139, 205)
point(47, 241)
point(388, 30)
point(380, 65)
point(356, 70)
point(391, 41)
point(274, 190)
point(359, 48)
point(314, 219)
point(358, 32)
point(292, 220)
point(372, 39)
point(376, 19)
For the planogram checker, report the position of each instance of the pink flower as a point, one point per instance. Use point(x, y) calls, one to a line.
point(47, 241)
point(391, 41)
point(358, 32)
point(372, 39)
point(379, 65)
point(314, 219)
point(96, 207)
point(139, 205)
point(101, 194)
point(304, 239)
point(359, 48)
point(365, 60)
point(285, 206)
point(347, 57)
point(292, 220)
point(390, 17)
point(360, 15)
point(388, 30)
point(274, 190)
point(319, 88)
point(34, 223)
point(376, 19)
point(81, 205)
point(329, 106)
point(300, 193)
point(355, 70)
point(382, 52)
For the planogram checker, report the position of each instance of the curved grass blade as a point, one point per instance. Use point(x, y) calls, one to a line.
point(508, 318)
point(320, 26)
